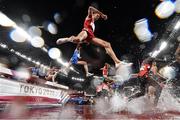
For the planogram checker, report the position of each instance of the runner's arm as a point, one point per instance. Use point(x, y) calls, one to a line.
point(92, 10)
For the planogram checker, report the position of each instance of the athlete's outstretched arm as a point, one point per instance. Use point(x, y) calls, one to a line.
point(92, 10)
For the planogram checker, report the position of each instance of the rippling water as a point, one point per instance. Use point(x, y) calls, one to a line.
point(89, 112)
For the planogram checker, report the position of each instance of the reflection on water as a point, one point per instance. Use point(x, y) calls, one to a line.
point(90, 112)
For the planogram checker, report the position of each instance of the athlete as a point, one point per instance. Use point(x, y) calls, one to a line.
point(105, 70)
point(75, 59)
point(87, 35)
point(149, 80)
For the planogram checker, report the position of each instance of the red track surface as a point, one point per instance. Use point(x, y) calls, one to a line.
point(30, 99)
point(88, 112)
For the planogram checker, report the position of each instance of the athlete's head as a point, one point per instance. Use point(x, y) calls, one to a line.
point(154, 63)
point(96, 16)
point(148, 60)
point(107, 65)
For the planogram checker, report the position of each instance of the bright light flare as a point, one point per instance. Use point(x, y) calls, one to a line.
point(62, 62)
point(37, 42)
point(165, 9)
point(143, 34)
point(142, 31)
point(12, 50)
point(52, 28)
point(17, 53)
point(54, 53)
point(178, 38)
point(177, 26)
point(20, 35)
point(37, 63)
point(24, 56)
point(168, 72)
point(23, 32)
point(29, 59)
point(17, 35)
point(45, 49)
point(141, 23)
point(34, 31)
point(163, 45)
point(177, 6)
point(3, 45)
point(33, 61)
point(22, 73)
point(155, 53)
point(57, 18)
point(5, 21)
point(66, 64)
point(26, 18)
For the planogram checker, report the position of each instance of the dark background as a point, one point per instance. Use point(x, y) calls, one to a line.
point(118, 29)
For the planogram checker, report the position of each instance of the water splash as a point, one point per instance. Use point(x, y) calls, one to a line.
point(140, 105)
point(102, 106)
point(123, 73)
point(167, 102)
point(117, 103)
point(168, 72)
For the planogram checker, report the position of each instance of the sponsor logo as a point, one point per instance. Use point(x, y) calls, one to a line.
point(39, 91)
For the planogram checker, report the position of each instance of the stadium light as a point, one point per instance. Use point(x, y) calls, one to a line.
point(5, 21)
point(177, 26)
point(163, 45)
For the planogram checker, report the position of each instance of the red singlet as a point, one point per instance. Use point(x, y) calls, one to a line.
point(89, 27)
point(144, 70)
point(105, 71)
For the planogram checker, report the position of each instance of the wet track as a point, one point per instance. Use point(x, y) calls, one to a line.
point(89, 112)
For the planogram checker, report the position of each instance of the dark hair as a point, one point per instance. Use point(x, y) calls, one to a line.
point(107, 64)
point(148, 60)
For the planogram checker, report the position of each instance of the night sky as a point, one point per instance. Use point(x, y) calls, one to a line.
point(118, 29)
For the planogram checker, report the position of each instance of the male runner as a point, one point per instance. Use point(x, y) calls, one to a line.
point(87, 35)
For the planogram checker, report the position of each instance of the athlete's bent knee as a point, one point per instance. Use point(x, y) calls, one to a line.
point(76, 39)
point(85, 63)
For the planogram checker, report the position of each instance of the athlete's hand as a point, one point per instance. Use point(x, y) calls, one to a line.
point(104, 17)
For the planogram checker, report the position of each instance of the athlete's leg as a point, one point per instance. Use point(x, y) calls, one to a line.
point(76, 39)
point(63, 40)
point(84, 63)
point(107, 47)
point(80, 37)
point(151, 95)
